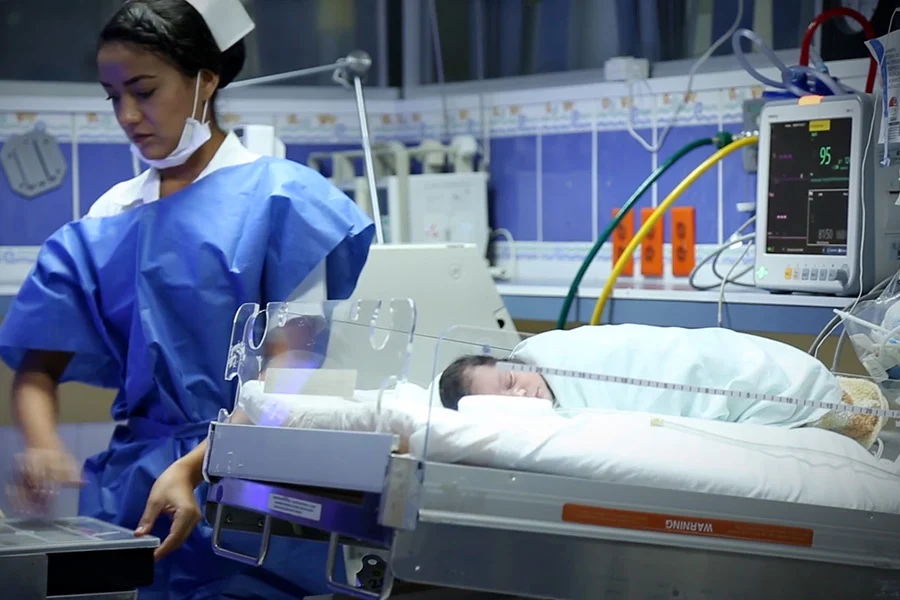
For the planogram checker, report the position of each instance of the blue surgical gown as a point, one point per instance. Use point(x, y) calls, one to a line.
point(144, 302)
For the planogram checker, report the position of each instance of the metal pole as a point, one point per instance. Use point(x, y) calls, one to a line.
point(289, 75)
point(354, 66)
point(367, 154)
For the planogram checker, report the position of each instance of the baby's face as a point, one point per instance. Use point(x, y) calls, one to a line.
point(489, 380)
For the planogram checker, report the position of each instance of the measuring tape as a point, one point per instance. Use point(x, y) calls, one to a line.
point(700, 389)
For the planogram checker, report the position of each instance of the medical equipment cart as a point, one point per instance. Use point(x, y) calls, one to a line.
point(69, 558)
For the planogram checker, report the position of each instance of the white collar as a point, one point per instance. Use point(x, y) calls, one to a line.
point(229, 154)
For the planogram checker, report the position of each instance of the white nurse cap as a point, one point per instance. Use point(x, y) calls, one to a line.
point(227, 20)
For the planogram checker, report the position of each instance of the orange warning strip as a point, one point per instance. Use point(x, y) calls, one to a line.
point(681, 525)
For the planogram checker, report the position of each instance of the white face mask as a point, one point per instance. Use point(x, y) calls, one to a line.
point(194, 135)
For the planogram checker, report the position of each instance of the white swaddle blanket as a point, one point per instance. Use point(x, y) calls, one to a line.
point(713, 357)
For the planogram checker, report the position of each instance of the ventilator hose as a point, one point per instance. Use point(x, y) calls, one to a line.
point(720, 140)
point(657, 214)
point(841, 11)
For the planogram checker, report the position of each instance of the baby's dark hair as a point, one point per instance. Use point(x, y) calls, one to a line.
point(456, 380)
point(177, 33)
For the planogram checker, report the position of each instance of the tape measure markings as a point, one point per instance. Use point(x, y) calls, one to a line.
point(700, 389)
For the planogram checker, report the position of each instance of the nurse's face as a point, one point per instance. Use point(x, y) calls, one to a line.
point(151, 98)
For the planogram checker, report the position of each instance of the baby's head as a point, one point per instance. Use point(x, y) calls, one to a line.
point(478, 375)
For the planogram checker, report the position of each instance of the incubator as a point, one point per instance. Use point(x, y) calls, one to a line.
point(330, 440)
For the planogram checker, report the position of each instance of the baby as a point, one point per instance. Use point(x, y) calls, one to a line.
point(478, 375)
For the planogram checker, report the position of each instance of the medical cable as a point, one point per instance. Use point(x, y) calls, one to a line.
point(712, 257)
point(721, 140)
point(721, 301)
point(505, 273)
point(657, 214)
point(862, 244)
point(439, 65)
point(827, 15)
point(838, 348)
point(715, 255)
point(837, 319)
point(482, 109)
point(690, 87)
point(727, 246)
point(786, 72)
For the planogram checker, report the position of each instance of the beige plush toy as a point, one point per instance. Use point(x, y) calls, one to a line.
point(862, 428)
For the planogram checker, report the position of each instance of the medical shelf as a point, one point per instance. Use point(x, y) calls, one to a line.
point(506, 532)
point(50, 559)
point(667, 303)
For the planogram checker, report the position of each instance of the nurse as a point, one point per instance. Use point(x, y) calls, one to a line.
point(141, 295)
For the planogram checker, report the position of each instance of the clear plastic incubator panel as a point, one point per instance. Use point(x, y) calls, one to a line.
point(568, 404)
point(318, 366)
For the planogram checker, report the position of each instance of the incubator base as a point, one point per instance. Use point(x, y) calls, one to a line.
point(521, 534)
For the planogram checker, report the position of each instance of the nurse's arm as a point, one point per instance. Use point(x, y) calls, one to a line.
point(173, 494)
point(35, 405)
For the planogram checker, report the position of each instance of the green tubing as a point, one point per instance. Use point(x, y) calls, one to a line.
point(721, 140)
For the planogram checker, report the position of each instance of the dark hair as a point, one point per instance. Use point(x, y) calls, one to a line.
point(174, 31)
point(456, 380)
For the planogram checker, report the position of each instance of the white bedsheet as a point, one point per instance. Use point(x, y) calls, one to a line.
point(800, 465)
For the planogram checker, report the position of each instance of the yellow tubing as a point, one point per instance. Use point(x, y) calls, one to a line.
point(657, 215)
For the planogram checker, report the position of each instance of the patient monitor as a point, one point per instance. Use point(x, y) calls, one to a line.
point(824, 206)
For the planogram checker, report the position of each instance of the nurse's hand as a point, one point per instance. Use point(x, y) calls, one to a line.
point(172, 494)
point(40, 473)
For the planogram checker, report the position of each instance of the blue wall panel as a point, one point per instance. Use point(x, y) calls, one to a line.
point(566, 165)
point(622, 164)
point(514, 185)
point(704, 193)
point(28, 222)
point(102, 166)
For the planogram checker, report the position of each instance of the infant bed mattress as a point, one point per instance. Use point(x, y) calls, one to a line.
point(794, 465)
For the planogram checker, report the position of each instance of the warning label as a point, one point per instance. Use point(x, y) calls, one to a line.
point(682, 525)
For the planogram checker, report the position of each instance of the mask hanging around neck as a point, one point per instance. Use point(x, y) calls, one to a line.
point(193, 136)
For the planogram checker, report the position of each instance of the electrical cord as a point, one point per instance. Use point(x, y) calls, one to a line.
point(715, 255)
point(505, 273)
point(721, 140)
point(827, 16)
point(439, 64)
point(657, 214)
point(690, 86)
point(712, 257)
point(836, 320)
point(721, 301)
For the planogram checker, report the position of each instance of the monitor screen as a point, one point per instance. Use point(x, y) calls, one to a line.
point(809, 187)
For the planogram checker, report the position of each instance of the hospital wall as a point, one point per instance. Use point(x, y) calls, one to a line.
point(561, 159)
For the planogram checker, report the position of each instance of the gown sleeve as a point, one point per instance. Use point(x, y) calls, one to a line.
point(57, 309)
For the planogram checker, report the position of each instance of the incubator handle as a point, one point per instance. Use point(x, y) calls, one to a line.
point(253, 561)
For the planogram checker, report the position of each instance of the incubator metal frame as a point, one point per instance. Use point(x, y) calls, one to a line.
point(500, 531)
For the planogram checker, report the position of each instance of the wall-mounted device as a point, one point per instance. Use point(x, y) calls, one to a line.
point(33, 163)
point(446, 203)
point(824, 210)
point(449, 208)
